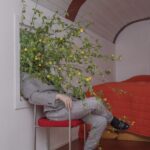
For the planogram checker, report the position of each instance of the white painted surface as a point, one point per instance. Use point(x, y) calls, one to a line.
point(134, 45)
point(107, 48)
point(16, 127)
point(107, 16)
point(19, 102)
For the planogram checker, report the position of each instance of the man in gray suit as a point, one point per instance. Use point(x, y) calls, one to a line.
point(56, 107)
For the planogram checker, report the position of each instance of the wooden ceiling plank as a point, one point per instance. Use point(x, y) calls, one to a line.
point(74, 8)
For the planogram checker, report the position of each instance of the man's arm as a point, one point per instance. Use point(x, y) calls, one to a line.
point(43, 99)
point(36, 91)
point(40, 93)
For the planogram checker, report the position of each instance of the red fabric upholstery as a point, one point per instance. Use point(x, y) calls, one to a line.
point(140, 78)
point(130, 98)
point(44, 122)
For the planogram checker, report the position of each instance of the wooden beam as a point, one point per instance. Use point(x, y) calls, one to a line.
point(73, 9)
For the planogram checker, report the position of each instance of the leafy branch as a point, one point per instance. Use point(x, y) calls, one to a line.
point(59, 53)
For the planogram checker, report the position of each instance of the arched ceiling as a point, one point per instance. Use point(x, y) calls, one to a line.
point(107, 16)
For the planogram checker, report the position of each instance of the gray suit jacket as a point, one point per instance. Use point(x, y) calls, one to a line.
point(39, 93)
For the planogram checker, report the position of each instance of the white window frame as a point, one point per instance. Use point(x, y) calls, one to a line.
point(19, 102)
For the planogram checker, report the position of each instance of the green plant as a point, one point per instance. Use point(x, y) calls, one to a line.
point(59, 53)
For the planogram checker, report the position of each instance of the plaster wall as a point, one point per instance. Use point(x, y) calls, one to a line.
point(134, 45)
point(16, 127)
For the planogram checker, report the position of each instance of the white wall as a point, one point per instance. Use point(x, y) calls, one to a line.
point(16, 128)
point(107, 48)
point(134, 45)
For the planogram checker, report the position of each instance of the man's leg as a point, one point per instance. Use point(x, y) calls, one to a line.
point(82, 108)
point(101, 110)
point(98, 125)
point(98, 108)
point(92, 112)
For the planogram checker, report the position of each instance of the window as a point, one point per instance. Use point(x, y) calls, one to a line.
point(19, 102)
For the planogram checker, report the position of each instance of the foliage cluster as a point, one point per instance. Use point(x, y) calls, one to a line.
point(59, 53)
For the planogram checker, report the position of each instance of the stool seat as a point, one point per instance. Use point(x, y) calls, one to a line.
point(44, 122)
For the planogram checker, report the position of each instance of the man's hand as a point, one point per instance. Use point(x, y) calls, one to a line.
point(66, 99)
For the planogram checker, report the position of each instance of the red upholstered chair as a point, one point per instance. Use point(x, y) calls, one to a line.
point(44, 122)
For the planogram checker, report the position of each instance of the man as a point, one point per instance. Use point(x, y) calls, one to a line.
point(56, 107)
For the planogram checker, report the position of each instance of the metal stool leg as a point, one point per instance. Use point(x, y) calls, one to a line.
point(34, 127)
point(70, 138)
point(84, 126)
point(34, 138)
point(48, 138)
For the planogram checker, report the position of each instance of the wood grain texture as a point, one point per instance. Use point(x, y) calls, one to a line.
point(73, 9)
point(112, 145)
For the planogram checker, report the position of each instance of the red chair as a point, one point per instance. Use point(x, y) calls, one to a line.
point(44, 122)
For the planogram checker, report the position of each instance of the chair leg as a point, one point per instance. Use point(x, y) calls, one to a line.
point(70, 140)
point(48, 139)
point(34, 117)
point(35, 138)
point(84, 126)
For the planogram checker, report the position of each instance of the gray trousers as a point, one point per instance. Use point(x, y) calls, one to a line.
point(91, 111)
